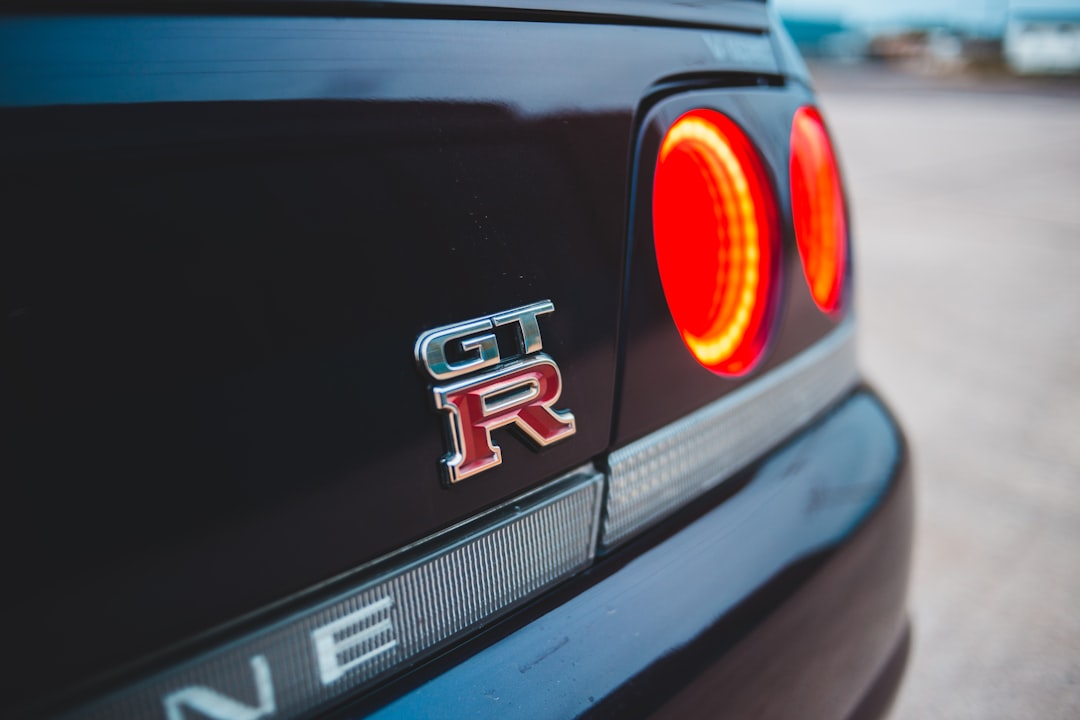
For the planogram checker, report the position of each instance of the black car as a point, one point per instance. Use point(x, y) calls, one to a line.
point(434, 359)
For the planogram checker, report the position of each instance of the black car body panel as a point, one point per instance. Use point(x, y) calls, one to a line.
point(224, 229)
point(783, 600)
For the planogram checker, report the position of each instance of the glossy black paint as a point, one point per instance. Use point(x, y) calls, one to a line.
point(222, 236)
point(821, 638)
point(222, 372)
point(681, 624)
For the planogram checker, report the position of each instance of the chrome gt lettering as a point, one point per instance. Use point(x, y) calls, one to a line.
point(212, 704)
point(525, 317)
point(519, 392)
point(480, 350)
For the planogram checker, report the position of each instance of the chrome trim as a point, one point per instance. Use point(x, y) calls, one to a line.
point(655, 475)
point(525, 317)
point(482, 351)
point(430, 349)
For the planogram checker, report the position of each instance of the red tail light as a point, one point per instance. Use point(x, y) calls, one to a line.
point(817, 205)
point(715, 240)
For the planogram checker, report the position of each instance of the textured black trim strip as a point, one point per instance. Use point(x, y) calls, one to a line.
point(325, 651)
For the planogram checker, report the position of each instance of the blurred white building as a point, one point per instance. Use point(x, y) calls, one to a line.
point(1044, 42)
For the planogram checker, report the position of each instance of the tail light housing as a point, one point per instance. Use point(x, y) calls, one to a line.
point(715, 237)
point(817, 207)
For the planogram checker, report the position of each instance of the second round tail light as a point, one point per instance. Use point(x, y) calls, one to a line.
point(817, 208)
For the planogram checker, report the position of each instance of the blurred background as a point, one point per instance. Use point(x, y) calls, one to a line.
point(958, 125)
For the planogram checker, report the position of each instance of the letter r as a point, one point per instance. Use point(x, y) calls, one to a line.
point(520, 394)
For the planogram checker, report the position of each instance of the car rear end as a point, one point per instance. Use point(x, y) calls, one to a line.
point(427, 360)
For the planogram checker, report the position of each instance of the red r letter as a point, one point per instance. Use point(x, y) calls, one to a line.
point(519, 394)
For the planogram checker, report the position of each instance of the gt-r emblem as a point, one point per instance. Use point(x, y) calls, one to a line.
point(519, 392)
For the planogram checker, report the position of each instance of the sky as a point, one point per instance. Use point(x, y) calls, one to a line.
point(970, 13)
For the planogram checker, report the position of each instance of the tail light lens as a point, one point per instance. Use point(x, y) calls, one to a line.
point(715, 239)
point(817, 206)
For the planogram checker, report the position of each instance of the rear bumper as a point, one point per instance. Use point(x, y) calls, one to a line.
point(786, 599)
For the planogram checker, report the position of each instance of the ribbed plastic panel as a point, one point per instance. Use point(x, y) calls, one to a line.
point(333, 649)
point(653, 476)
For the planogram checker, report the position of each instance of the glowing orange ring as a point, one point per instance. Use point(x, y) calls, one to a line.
point(714, 235)
point(817, 208)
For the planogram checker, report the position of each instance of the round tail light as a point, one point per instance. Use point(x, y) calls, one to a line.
point(817, 207)
point(715, 239)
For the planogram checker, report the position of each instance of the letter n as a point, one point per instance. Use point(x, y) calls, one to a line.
point(212, 704)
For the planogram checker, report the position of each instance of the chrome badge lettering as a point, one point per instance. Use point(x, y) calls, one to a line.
point(519, 392)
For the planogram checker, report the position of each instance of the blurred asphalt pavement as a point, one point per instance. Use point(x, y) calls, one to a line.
point(966, 202)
